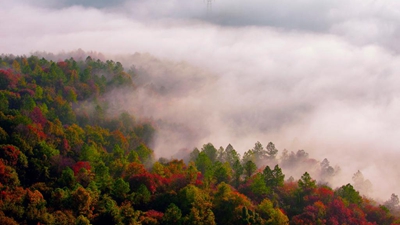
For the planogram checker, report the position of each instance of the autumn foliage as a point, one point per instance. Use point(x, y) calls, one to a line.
point(66, 159)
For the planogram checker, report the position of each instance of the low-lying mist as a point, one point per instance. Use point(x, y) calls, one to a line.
point(328, 87)
point(351, 124)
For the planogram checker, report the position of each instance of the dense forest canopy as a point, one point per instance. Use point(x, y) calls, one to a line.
point(65, 159)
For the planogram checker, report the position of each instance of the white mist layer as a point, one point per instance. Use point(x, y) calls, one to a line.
point(325, 89)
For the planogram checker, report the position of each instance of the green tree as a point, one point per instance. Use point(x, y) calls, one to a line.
point(144, 153)
point(306, 182)
point(231, 155)
point(4, 103)
point(249, 168)
point(102, 177)
point(67, 178)
point(142, 195)
point(203, 163)
point(210, 151)
point(237, 172)
point(249, 217)
point(258, 187)
point(273, 178)
point(222, 172)
point(248, 156)
point(108, 211)
point(61, 198)
point(120, 189)
point(306, 185)
point(348, 193)
point(172, 215)
point(89, 153)
point(44, 149)
point(28, 103)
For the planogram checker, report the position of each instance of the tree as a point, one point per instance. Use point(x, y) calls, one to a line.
point(120, 189)
point(348, 193)
point(327, 171)
point(221, 156)
point(306, 182)
point(89, 153)
point(225, 203)
point(82, 220)
point(37, 116)
point(273, 178)
point(128, 214)
point(200, 216)
point(9, 154)
point(194, 154)
point(16, 66)
point(75, 136)
point(158, 169)
point(393, 203)
point(222, 172)
point(258, 187)
point(312, 214)
point(237, 172)
point(248, 156)
point(172, 215)
point(203, 163)
point(361, 184)
point(67, 178)
point(231, 155)
point(259, 153)
point(36, 211)
point(250, 167)
point(63, 217)
point(43, 149)
point(82, 201)
point(210, 151)
point(249, 217)
point(144, 153)
point(81, 165)
point(102, 176)
point(142, 195)
point(107, 211)
point(8, 176)
point(271, 151)
point(4, 103)
point(271, 215)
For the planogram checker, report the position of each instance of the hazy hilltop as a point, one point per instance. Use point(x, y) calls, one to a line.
point(71, 152)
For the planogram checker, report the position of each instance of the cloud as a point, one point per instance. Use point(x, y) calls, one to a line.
point(313, 75)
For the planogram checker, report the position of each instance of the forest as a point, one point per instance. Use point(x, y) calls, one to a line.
point(66, 159)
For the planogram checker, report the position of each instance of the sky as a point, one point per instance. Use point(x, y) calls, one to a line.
point(310, 74)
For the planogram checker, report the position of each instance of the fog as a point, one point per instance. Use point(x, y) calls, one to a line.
point(315, 75)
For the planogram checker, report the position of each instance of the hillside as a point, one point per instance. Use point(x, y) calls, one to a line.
point(66, 159)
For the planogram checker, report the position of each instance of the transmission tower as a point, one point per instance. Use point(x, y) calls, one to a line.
point(209, 5)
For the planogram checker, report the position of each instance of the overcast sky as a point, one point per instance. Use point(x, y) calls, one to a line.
point(310, 74)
